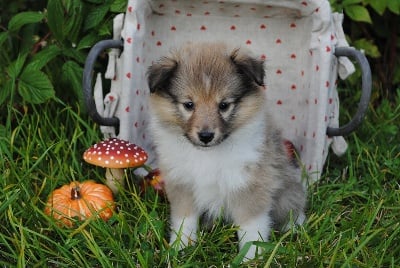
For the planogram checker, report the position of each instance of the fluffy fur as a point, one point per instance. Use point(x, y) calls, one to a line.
point(219, 151)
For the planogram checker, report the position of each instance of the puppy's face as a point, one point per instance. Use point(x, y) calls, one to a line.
point(205, 92)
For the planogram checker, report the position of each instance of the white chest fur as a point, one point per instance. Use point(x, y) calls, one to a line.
point(215, 173)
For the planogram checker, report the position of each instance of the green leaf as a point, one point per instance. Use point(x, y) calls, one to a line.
point(34, 86)
point(72, 73)
point(74, 54)
point(3, 131)
point(15, 68)
point(88, 41)
point(3, 37)
point(96, 16)
point(358, 13)
point(55, 17)
point(72, 76)
point(378, 6)
point(118, 6)
point(74, 20)
point(105, 29)
point(43, 57)
point(6, 91)
point(394, 6)
point(368, 46)
point(5, 153)
point(23, 18)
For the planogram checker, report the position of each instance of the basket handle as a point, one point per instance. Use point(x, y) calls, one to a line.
point(87, 81)
point(366, 84)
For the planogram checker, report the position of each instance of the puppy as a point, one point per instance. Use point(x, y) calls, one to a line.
point(219, 151)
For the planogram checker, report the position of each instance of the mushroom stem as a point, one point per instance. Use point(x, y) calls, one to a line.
point(114, 176)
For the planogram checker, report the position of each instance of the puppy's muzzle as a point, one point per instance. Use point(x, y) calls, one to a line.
point(206, 136)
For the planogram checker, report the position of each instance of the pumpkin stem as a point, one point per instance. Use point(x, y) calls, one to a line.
point(75, 193)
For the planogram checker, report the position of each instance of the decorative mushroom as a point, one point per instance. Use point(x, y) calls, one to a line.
point(80, 200)
point(115, 155)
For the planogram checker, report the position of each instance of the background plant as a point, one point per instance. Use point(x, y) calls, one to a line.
point(373, 26)
point(43, 47)
point(43, 50)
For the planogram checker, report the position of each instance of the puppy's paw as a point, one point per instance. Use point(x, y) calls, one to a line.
point(181, 241)
point(298, 221)
point(252, 253)
point(184, 231)
point(253, 229)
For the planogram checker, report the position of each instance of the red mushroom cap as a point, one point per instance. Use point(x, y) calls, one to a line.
point(115, 153)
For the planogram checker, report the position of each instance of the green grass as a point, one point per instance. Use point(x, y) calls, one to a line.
point(353, 212)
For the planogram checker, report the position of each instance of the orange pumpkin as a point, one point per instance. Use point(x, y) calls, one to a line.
point(80, 200)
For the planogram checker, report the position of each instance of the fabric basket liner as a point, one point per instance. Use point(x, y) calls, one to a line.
point(297, 40)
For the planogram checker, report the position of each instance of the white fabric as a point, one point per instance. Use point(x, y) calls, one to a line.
point(297, 39)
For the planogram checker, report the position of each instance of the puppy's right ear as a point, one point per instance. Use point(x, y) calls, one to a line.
point(248, 66)
point(160, 73)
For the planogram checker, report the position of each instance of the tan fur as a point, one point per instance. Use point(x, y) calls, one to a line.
point(214, 159)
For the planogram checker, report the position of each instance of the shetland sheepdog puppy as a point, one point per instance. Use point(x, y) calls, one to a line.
point(218, 148)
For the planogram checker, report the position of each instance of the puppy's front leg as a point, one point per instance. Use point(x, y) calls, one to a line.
point(184, 228)
point(255, 228)
point(184, 218)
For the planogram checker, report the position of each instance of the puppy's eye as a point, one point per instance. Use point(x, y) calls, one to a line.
point(223, 106)
point(189, 105)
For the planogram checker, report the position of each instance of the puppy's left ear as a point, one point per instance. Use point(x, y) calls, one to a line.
point(248, 66)
point(159, 74)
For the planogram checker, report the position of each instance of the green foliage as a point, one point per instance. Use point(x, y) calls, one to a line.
point(357, 9)
point(52, 43)
point(352, 216)
point(42, 53)
point(24, 18)
point(372, 26)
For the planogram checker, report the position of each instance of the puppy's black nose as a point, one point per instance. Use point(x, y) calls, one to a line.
point(205, 136)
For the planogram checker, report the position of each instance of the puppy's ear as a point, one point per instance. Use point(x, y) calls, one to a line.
point(159, 74)
point(249, 67)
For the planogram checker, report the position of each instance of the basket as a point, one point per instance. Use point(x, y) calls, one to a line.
point(301, 41)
